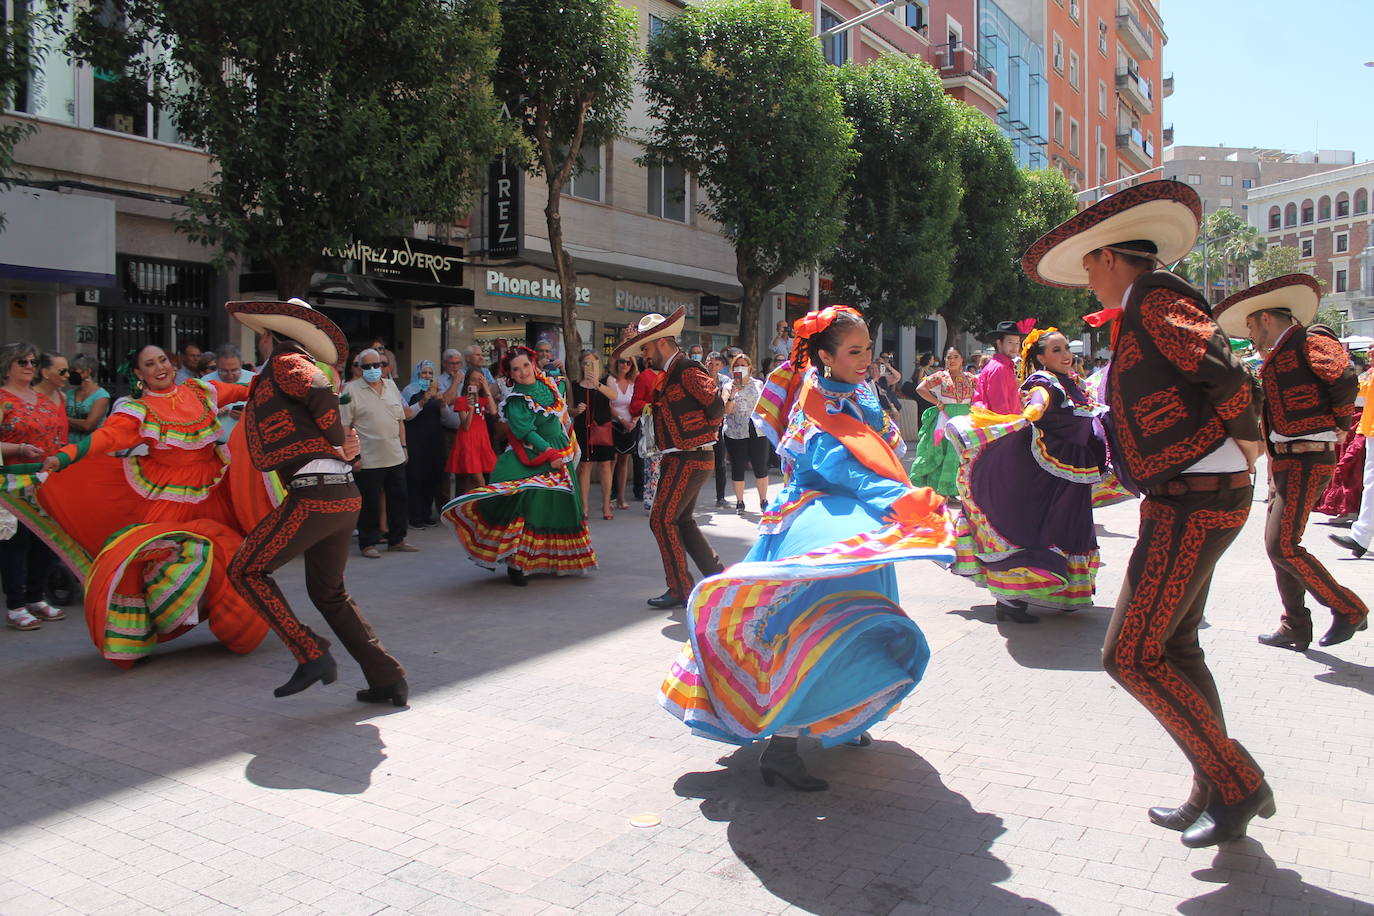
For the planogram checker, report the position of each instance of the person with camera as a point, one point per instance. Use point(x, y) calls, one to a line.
point(591, 413)
point(425, 453)
point(87, 402)
point(747, 449)
point(472, 457)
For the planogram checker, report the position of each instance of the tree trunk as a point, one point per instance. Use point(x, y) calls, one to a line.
point(567, 284)
point(954, 326)
point(293, 278)
point(755, 285)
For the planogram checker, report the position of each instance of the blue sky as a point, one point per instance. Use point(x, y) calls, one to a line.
point(1276, 74)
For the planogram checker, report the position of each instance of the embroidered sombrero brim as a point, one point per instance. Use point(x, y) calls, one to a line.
point(651, 330)
point(295, 319)
point(1167, 213)
point(1300, 294)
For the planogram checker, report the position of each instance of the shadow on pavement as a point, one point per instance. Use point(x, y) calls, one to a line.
point(1343, 673)
point(1259, 885)
point(1101, 531)
point(1059, 642)
point(888, 831)
point(333, 755)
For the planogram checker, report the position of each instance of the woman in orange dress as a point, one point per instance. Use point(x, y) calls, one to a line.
point(155, 544)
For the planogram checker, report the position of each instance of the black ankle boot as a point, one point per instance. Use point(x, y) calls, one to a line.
point(1180, 818)
point(1341, 630)
point(396, 694)
point(1014, 611)
point(1289, 636)
point(780, 760)
point(516, 577)
point(321, 669)
point(1220, 823)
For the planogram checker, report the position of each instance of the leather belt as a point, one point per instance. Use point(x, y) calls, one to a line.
point(1200, 483)
point(319, 480)
point(1302, 445)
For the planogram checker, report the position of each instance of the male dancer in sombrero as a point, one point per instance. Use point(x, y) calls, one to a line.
point(686, 409)
point(998, 388)
point(292, 427)
point(1187, 435)
point(1309, 404)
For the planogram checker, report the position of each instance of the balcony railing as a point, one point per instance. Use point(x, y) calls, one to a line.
point(1137, 35)
point(958, 59)
point(1166, 88)
point(1133, 141)
point(1137, 88)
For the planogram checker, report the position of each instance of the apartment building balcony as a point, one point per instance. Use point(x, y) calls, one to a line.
point(1166, 87)
point(1136, 35)
point(1168, 138)
point(968, 76)
point(1137, 90)
point(1131, 143)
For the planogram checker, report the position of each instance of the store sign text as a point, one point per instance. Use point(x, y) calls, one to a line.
point(413, 260)
point(627, 301)
point(545, 289)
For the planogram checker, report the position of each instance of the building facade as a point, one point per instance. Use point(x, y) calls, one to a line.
point(1326, 217)
point(1224, 176)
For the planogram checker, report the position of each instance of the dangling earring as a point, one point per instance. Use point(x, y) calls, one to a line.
point(827, 372)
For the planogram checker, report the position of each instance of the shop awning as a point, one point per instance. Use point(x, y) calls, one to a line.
point(55, 237)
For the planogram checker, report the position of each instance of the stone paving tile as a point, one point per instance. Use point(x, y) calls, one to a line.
point(1012, 781)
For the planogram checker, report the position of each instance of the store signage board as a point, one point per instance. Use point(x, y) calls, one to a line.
point(505, 186)
point(629, 301)
point(538, 289)
point(399, 258)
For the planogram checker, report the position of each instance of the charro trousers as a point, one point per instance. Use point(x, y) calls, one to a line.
point(1152, 646)
point(681, 477)
point(316, 522)
point(1299, 481)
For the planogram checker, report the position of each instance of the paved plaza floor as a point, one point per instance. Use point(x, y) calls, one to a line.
point(1014, 780)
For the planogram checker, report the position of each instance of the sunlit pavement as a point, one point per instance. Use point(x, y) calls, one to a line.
point(1015, 780)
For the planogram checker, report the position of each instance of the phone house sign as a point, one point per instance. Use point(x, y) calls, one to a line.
point(627, 301)
point(545, 289)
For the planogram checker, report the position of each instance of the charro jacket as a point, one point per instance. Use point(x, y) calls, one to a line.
point(1309, 384)
point(687, 406)
point(1177, 393)
point(292, 415)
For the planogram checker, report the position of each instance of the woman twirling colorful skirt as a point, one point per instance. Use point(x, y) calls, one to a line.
point(530, 516)
point(805, 635)
point(1026, 533)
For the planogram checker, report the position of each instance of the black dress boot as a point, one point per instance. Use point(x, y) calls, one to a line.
point(396, 694)
point(1180, 818)
point(516, 577)
point(1291, 634)
point(1341, 630)
point(780, 760)
point(321, 669)
point(665, 601)
point(1008, 609)
point(1220, 822)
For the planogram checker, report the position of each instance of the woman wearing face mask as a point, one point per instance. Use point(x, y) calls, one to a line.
point(1026, 532)
point(33, 428)
point(155, 545)
point(748, 449)
point(87, 402)
point(529, 517)
point(805, 635)
point(937, 455)
point(424, 444)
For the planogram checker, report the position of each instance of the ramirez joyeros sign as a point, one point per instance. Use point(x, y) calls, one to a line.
point(404, 259)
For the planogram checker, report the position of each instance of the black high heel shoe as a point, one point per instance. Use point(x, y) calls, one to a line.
point(322, 669)
point(1220, 823)
point(396, 694)
point(1014, 611)
point(780, 760)
point(516, 577)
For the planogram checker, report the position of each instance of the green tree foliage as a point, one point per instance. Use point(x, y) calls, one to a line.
point(893, 257)
point(744, 100)
point(1277, 261)
point(326, 119)
point(1232, 246)
point(565, 73)
point(22, 52)
point(1044, 201)
point(984, 225)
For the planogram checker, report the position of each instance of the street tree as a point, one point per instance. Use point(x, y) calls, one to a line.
point(26, 40)
point(1044, 201)
point(1277, 261)
point(326, 119)
point(1232, 246)
point(743, 99)
point(893, 256)
point(984, 224)
point(565, 74)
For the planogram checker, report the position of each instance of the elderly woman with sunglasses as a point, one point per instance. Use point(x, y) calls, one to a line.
point(34, 427)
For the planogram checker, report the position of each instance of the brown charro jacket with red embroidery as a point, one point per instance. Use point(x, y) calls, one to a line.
point(1177, 392)
point(686, 406)
point(292, 415)
point(1309, 384)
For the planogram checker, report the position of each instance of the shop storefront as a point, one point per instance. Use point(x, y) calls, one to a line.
point(521, 306)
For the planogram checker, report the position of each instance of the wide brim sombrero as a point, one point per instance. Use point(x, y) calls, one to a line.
point(295, 319)
point(1300, 294)
point(1167, 213)
point(652, 327)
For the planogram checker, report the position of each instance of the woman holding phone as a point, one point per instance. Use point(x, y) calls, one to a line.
point(746, 448)
point(472, 458)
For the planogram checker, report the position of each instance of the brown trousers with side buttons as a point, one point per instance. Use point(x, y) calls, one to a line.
point(681, 476)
